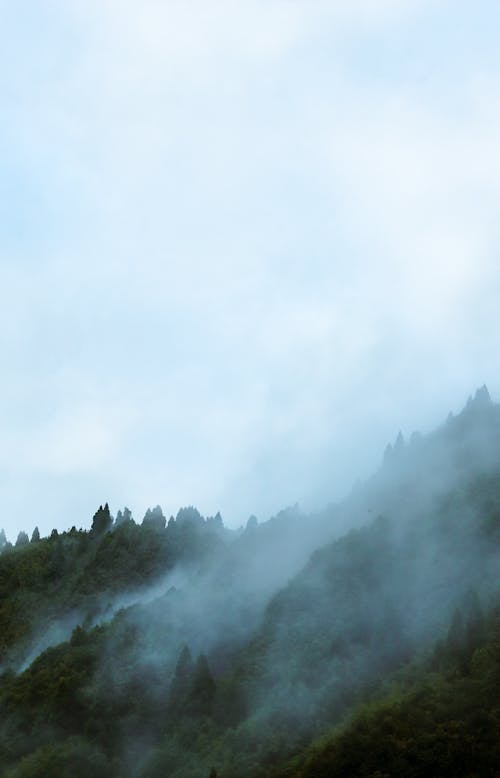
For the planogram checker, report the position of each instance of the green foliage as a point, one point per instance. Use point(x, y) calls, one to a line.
point(40, 581)
point(154, 518)
point(102, 521)
point(446, 725)
point(202, 689)
point(35, 537)
point(73, 758)
point(179, 688)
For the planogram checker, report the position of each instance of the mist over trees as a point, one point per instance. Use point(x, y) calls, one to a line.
point(361, 640)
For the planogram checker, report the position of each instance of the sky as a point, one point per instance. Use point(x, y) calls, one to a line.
point(242, 245)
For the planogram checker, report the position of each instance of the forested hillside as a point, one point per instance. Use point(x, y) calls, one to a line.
point(363, 640)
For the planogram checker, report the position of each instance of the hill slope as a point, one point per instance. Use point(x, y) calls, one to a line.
point(185, 648)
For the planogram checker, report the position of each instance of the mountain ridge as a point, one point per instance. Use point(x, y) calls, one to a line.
point(182, 648)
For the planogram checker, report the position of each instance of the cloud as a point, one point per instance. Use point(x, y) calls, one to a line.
point(244, 243)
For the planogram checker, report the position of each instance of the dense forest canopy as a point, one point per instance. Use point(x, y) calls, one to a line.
point(361, 640)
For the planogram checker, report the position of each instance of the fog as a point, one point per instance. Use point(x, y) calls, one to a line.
point(221, 600)
point(271, 634)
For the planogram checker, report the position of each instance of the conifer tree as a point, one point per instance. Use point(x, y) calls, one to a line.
point(22, 539)
point(202, 690)
point(154, 518)
point(179, 688)
point(101, 521)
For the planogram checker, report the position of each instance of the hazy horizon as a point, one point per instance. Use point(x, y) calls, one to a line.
point(242, 245)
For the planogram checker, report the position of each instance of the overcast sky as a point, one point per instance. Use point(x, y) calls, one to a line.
point(242, 244)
